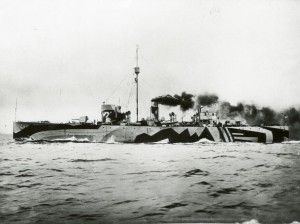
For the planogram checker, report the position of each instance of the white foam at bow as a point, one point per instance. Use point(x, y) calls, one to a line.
point(164, 141)
point(204, 140)
point(72, 139)
point(111, 140)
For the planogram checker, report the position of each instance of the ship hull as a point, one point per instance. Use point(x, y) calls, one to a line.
point(147, 134)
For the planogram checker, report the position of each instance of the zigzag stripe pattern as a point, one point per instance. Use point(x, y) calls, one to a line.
point(174, 136)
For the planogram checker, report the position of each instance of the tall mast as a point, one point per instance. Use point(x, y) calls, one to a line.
point(137, 71)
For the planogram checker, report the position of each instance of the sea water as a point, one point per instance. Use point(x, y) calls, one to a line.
point(78, 182)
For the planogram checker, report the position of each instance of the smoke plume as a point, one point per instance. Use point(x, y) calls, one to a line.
point(251, 113)
point(206, 99)
point(184, 100)
point(166, 100)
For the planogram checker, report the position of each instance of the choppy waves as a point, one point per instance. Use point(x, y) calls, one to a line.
point(54, 182)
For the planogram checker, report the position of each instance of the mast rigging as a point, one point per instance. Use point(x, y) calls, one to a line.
point(137, 71)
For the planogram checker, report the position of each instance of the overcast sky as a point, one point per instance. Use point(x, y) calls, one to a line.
point(62, 59)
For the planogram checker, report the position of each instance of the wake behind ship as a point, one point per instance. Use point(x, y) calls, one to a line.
point(116, 126)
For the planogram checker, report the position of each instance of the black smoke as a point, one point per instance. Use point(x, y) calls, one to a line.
point(185, 101)
point(166, 100)
point(206, 99)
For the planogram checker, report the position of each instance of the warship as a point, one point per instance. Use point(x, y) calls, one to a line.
point(116, 126)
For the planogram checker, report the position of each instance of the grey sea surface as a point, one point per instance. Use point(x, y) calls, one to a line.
point(75, 182)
